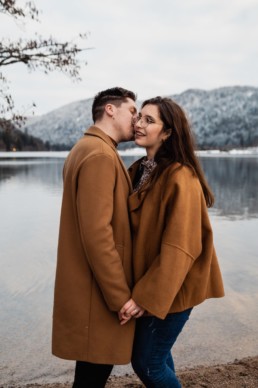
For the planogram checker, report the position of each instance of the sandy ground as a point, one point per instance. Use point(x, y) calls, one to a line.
point(238, 374)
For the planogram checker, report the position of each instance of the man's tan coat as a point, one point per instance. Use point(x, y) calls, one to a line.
point(94, 275)
point(175, 264)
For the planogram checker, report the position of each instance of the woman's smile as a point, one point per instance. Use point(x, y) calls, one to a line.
point(138, 133)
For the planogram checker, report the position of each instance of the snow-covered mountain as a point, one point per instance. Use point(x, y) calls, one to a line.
point(64, 125)
point(221, 118)
point(225, 117)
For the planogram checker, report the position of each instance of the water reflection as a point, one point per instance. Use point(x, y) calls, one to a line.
point(42, 172)
point(30, 199)
point(234, 182)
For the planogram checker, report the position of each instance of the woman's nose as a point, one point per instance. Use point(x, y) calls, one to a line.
point(137, 122)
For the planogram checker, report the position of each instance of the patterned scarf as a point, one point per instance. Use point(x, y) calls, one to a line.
point(148, 166)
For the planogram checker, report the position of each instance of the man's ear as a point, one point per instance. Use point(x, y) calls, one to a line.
point(110, 109)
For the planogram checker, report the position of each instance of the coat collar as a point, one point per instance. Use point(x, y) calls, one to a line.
point(97, 132)
point(133, 168)
point(135, 199)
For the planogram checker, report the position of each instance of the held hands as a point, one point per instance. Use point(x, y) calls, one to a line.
point(130, 310)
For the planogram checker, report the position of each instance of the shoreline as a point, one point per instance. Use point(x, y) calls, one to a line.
point(133, 152)
point(237, 374)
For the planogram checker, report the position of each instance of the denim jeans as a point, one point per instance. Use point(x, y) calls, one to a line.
point(152, 359)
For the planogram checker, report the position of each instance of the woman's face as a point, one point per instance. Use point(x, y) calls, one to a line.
point(148, 130)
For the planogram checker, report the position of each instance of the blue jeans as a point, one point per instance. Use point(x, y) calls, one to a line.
point(152, 359)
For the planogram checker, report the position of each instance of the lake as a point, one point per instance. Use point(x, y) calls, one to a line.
point(30, 200)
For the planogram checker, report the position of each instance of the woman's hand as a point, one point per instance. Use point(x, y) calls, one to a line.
point(130, 310)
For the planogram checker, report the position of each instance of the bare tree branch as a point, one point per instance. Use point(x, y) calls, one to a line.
point(10, 8)
point(43, 54)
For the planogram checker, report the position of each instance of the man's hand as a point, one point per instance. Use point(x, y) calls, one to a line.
point(130, 310)
point(123, 319)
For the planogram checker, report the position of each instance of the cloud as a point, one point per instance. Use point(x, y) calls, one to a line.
point(151, 47)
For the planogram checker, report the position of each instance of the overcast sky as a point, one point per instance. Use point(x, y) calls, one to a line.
point(156, 47)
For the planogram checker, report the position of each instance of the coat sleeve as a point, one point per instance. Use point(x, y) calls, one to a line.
point(95, 201)
point(181, 244)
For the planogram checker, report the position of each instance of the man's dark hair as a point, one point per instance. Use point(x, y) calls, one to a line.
point(114, 96)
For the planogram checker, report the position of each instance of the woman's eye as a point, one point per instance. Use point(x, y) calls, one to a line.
point(149, 120)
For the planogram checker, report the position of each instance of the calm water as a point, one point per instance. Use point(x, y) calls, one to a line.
point(30, 200)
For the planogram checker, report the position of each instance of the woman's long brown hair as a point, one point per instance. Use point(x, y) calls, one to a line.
point(179, 145)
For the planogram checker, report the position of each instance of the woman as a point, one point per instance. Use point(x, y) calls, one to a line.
point(175, 264)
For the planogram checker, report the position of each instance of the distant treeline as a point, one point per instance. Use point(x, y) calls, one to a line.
point(12, 139)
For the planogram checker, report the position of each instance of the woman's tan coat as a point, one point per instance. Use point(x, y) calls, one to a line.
point(94, 274)
point(175, 264)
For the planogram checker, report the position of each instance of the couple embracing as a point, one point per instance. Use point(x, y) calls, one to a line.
point(135, 251)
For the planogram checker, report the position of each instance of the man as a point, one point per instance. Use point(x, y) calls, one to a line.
point(94, 277)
